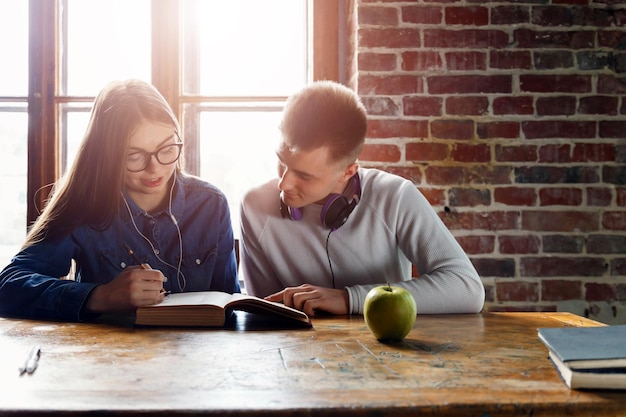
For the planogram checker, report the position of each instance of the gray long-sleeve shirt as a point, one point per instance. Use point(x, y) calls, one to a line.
point(392, 227)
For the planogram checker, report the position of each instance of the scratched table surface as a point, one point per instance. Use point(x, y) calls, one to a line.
point(489, 364)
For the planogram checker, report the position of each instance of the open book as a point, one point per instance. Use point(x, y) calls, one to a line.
point(211, 308)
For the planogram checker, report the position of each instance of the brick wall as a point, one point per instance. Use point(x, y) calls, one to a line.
point(510, 116)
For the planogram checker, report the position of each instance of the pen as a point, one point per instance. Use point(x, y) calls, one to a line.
point(31, 362)
point(134, 256)
point(141, 264)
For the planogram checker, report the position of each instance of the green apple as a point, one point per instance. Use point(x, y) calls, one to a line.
point(389, 312)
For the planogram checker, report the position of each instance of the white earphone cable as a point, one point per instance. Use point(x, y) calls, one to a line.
point(180, 276)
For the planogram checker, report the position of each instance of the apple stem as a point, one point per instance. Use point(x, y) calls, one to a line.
point(389, 286)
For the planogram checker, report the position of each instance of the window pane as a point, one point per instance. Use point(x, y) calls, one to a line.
point(245, 48)
point(238, 151)
point(13, 180)
point(76, 118)
point(106, 40)
point(14, 48)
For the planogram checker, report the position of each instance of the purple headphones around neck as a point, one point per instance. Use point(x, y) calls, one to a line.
point(337, 207)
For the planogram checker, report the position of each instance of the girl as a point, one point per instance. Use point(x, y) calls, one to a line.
point(133, 223)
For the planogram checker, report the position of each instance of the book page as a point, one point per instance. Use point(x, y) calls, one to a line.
point(216, 298)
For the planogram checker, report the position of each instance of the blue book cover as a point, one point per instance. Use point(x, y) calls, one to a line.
point(587, 347)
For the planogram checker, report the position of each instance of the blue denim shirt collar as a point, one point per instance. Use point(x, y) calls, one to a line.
point(177, 204)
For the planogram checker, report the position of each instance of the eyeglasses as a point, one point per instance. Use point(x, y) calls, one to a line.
point(168, 154)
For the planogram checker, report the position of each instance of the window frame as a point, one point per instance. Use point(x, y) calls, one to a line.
point(45, 150)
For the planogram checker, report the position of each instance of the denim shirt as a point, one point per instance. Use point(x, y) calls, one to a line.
point(30, 285)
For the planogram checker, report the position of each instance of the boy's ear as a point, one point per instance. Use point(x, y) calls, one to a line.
point(349, 171)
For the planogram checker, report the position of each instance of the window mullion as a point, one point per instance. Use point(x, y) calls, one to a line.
point(43, 146)
point(166, 55)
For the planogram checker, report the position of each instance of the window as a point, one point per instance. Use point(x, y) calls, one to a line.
point(225, 67)
point(13, 125)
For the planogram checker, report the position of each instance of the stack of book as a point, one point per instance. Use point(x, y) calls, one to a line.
point(588, 357)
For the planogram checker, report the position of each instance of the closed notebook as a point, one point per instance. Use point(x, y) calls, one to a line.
point(587, 347)
point(604, 378)
point(588, 357)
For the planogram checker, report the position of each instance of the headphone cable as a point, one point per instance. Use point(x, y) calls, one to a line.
point(330, 264)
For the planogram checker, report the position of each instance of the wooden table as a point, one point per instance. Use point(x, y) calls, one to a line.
point(488, 364)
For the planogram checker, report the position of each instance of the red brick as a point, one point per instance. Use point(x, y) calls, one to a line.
point(467, 105)
point(452, 129)
point(376, 15)
point(492, 220)
point(389, 38)
point(470, 84)
point(422, 106)
point(498, 130)
point(442, 175)
point(565, 83)
point(614, 220)
point(513, 105)
point(604, 105)
point(546, 174)
point(600, 292)
point(471, 153)
point(561, 290)
point(466, 61)
point(421, 61)
point(435, 196)
point(613, 129)
point(490, 267)
point(563, 244)
point(391, 128)
point(553, 266)
point(422, 14)
point(518, 153)
point(621, 196)
point(606, 244)
point(609, 84)
point(510, 59)
point(382, 153)
point(593, 152)
point(466, 16)
point(389, 85)
point(465, 38)
point(377, 62)
point(477, 244)
point(515, 196)
point(469, 197)
point(560, 221)
point(555, 153)
point(618, 267)
point(559, 129)
point(518, 244)
point(508, 15)
point(597, 196)
point(517, 291)
point(561, 105)
point(561, 39)
point(380, 106)
point(426, 151)
point(560, 196)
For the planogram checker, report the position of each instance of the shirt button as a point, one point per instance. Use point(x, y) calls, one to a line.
point(198, 261)
point(123, 265)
